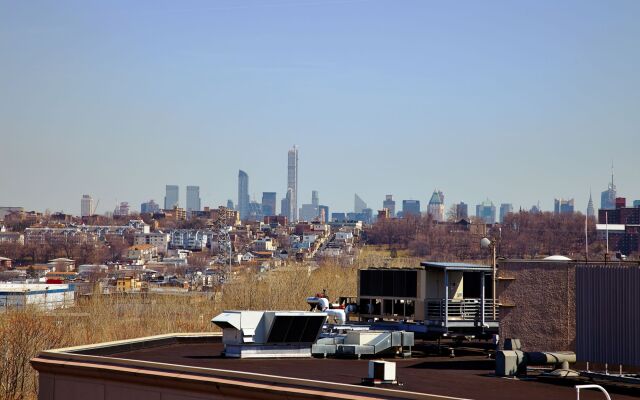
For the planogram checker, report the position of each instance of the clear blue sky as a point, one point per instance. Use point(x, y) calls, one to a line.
point(515, 101)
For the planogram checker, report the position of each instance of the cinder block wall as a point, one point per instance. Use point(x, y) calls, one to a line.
point(538, 304)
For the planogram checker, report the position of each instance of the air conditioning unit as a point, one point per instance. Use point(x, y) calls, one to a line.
point(381, 372)
point(265, 334)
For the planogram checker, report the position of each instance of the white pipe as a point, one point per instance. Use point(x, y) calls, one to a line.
point(323, 303)
point(579, 387)
point(339, 315)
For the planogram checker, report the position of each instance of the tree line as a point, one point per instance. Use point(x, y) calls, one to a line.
point(521, 235)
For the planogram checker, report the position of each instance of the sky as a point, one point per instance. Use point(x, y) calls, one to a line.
point(518, 102)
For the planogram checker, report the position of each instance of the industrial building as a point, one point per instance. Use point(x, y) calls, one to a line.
point(41, 295)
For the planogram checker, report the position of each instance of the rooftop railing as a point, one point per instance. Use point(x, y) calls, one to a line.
point(459, 310)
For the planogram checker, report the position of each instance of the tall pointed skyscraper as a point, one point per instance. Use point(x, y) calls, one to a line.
point(608, 197)
point(591, 212)
point(292, 185)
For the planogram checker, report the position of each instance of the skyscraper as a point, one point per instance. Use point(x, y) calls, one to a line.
point(310, 212)
point(562, 206)
point(230, 205)
point(410, 207)
point(269, 203)
point(171, 197)
point(193, 198)
point(149, 207)
point(435, 208)
point(254, 212)
point(591, 212)
point(121, 210)
point(292, 185)
point(86, 206)
point(390, 204)
point(358, 204)
point(323, 213)
point(505, 208)
point(243, 194)
point(608, 197)
point(487, 211)
point(462, 211)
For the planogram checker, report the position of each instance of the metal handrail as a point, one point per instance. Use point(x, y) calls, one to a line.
point(464, 309)
point(603, 390)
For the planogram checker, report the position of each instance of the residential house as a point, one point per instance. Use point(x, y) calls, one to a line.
point(142, 253)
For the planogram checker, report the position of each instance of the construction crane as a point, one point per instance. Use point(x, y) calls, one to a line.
point(93, 212)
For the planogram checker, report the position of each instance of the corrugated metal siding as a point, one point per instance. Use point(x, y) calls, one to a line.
point(608, 314)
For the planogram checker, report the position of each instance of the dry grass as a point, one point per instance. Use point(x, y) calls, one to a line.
point(380, 255)
point(23, 333)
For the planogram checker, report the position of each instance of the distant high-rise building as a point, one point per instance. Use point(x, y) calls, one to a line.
point(121, 210)
point(243, 194)
point(487, 211)
point(338, 217)
point(269, 203)
point(171, 197)
point(591, 212)
point(410, 207)
point(505, 208)
point(636, 203)
point(383, 214)
point(535, 209)
point(462, 211)
point(365, 216)
point(292, 185)
point(323, 213)
point(435, 208)
point(562, 206)
point(254, 212)
point(309, 212)
point(358, 204)
point(193, 198)
point(149, 207)
point(389, 204)
point(285, 205)
point(608, 197)
point(86, 206)
point(230, 205)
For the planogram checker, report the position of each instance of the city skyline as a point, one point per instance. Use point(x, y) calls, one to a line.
point(242, 185)
point(85, 82)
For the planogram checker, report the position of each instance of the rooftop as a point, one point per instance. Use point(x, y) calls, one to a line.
point(456, 266)
point(189, 359)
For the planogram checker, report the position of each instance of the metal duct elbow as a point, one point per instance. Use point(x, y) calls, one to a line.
point(339, 315)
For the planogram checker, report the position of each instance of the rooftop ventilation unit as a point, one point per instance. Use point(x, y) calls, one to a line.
point(269, 334)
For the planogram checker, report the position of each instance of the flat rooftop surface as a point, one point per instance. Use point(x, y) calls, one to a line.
point(469, 375)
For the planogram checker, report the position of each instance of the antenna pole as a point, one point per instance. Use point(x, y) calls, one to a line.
point(586, 239)
point(606, 224)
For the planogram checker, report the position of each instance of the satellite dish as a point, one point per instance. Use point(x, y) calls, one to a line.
point(485, 243)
